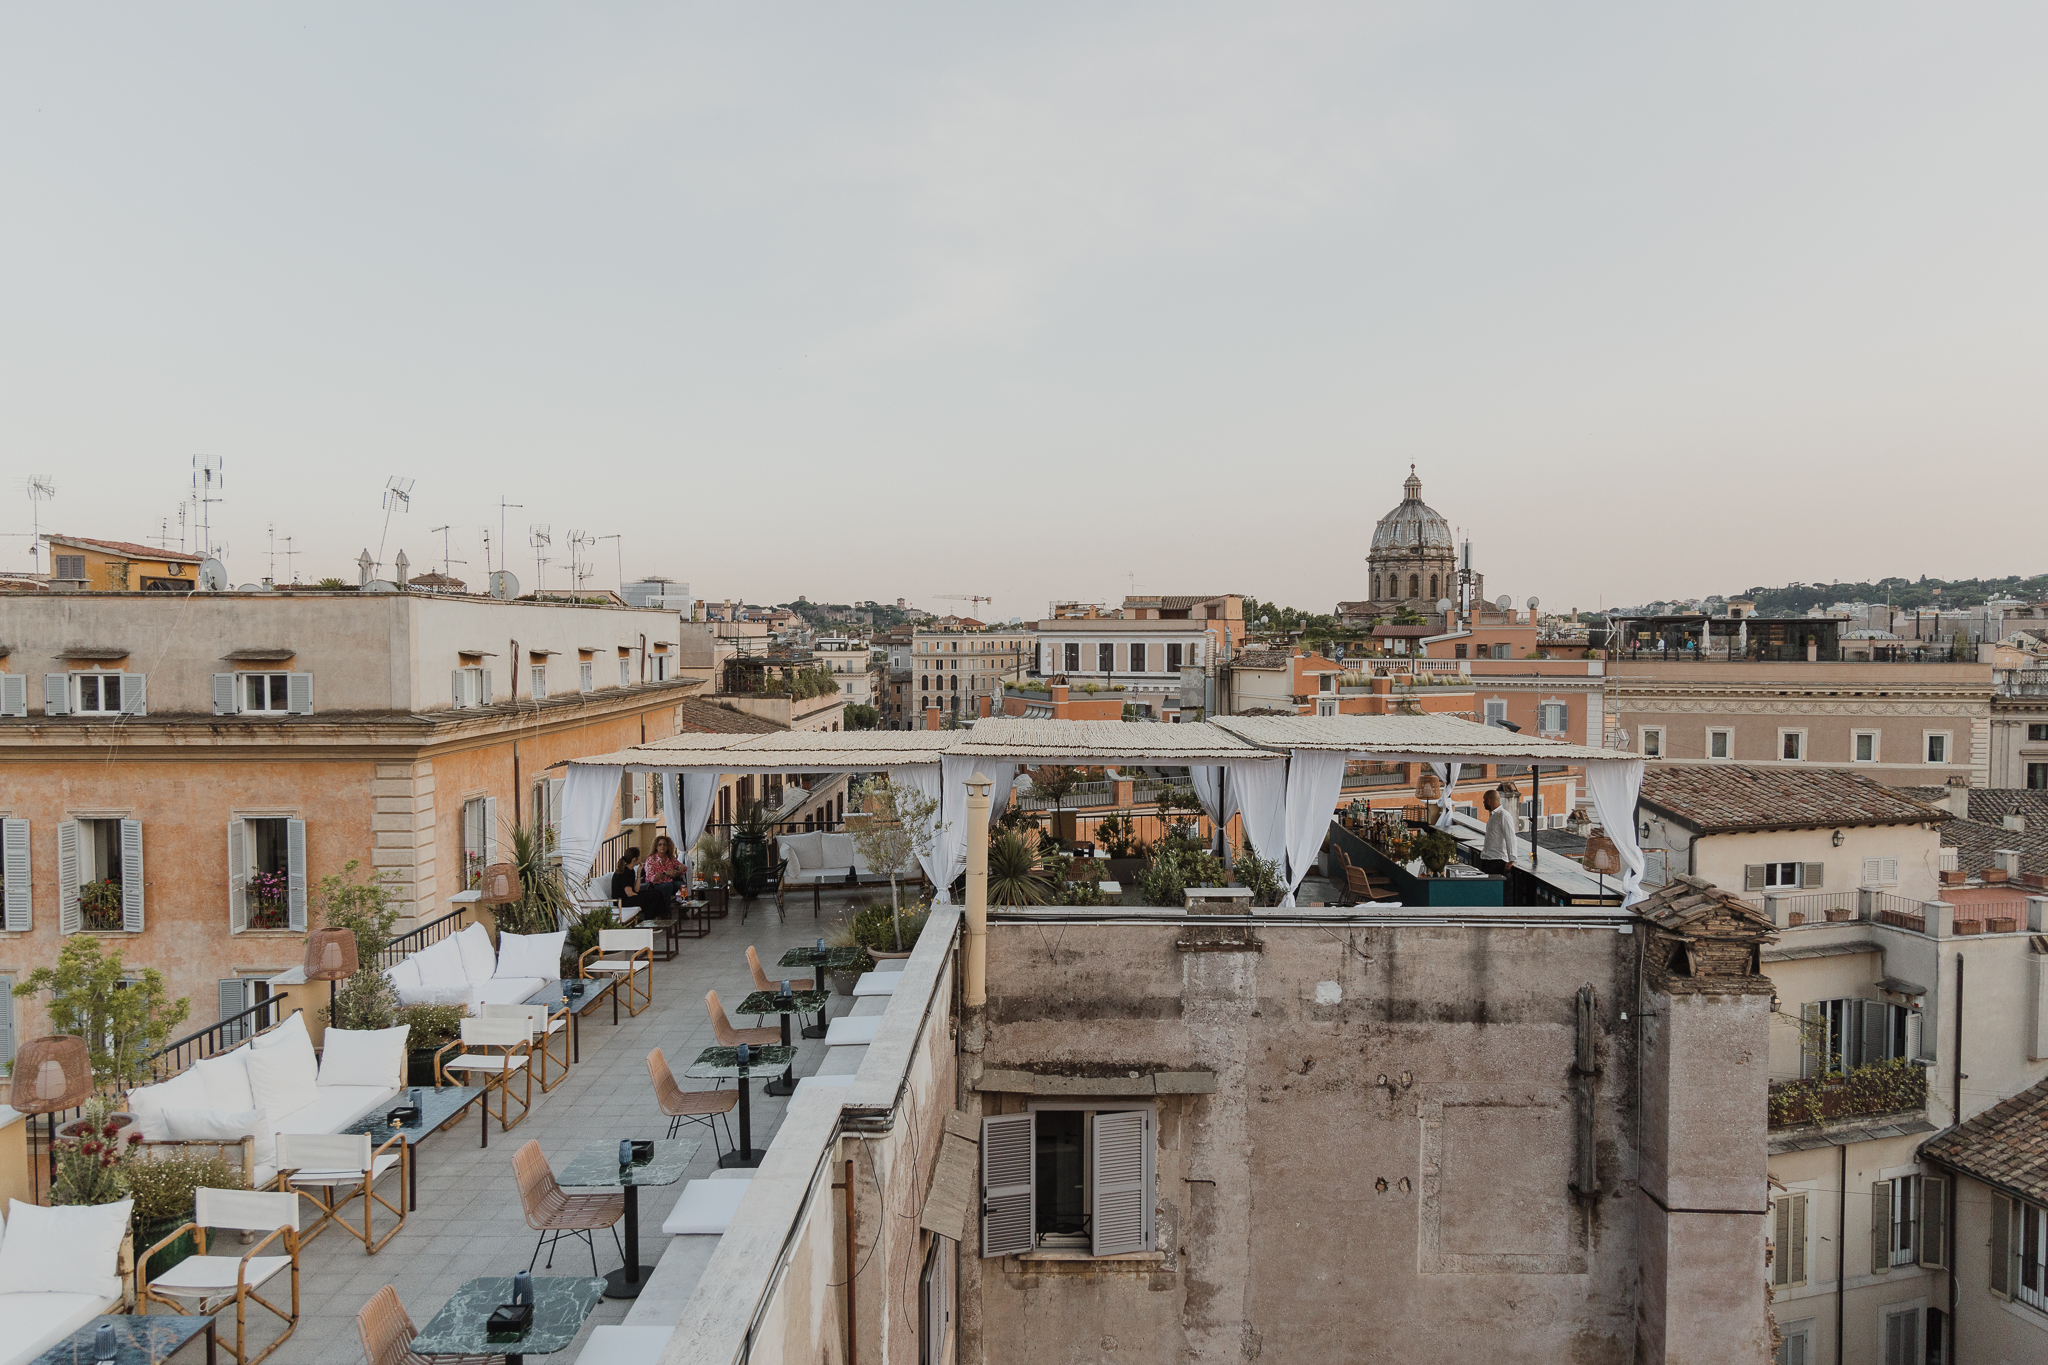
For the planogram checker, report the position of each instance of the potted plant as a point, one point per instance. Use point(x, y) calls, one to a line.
point(846, 978)
point(433, 1028)
point(163, 1194)
point(100, 904)
point(270, 901)
point(582, 936)
point(1837, 915)
point(1437, 850)
point(92, 1158)
point(892, 827)
point(1014, 875)
point(750, 849)
point(363, 906)
point(877, 927)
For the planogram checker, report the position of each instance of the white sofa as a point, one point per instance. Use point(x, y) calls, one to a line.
point(68, 1266)
point(465, 969)
point(270, 1085)
point(820, 857)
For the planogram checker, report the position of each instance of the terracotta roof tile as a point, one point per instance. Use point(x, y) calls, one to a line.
point(1722, 797)
point(2006, 1145)
point(130, 548)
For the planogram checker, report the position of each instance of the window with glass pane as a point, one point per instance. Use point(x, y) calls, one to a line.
point(1791, 745)
point(1073, 657)
point(1866, 748)
point(1937, 748)
point(1105, 658)
point(100, 692)
point(265, 692)
point(1720, 743)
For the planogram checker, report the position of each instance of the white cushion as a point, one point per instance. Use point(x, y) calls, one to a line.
point(823, 1082)
point(877, 983)
point(525, 955)
point(283, 1084)
point(464, 995)
point(33, 1323)
point(441, 965)
point(804, 849)
point(71, 1250)
point(405, 979)
point(849, 1031)
point(290, 1035)
point(619, 1345)
point(336, 1108)
point(839, 853)
point(198, 1277)
point(507, 990)
point(227, 1081)
point(363, 1056)
point(479, 957)
point(705, 1207)
point(225, 1126)
point(186, 1090)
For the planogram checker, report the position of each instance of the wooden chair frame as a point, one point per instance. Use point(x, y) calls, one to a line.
point(364, 1189)
point(624, 965)
point(511, 1055)
point(240, 1297)
point(553, 1026)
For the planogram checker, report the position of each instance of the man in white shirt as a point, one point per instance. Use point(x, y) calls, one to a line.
point(1499, 854)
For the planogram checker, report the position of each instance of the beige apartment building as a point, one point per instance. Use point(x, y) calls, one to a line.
point(962, 672)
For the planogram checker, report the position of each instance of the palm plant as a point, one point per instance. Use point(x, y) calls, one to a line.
point(542, 894)
point(1013, 873)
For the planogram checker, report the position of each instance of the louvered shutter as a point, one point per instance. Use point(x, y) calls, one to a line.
point(1913, 1034)
point(14, 695)
point(1813, 1047)
point(1933, 1237)
point(134, 694)
point(224, 694)
point(1007, 1185)
point(1812, 875)
point(486, 691)
point(1873, 1031)
point(1793, 1352)
point(238, 876)
point(1121, 1217)
point(490, 830)
point(69, 920)
point(1891, 870)
point(19, 915)
point(295, 872)
point(1781, 1241)
point(2001, 1246)
point(1795, 1247)
point(455, 689)
point(299, 693)
point(584, 671)
point(1881, 1226)
point(6, 1019)
point(625, 672)
point(56, 694)
point(131, 876)
point(1753, 877)
point(234, 998)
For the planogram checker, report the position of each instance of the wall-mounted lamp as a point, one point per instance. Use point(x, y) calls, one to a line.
point(1840, 838)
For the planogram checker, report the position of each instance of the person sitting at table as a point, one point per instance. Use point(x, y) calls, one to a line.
point(626, 883)
point(664, 873)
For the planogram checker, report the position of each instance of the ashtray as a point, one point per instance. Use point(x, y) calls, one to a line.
point(643, 1149)
point(402, 1115)
point(509, 1318)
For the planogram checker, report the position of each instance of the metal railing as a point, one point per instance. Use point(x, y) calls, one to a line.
point(1982, 912)
point(1814, 905)
point(1901, 912)
point(426, 936)
point(212, 1040)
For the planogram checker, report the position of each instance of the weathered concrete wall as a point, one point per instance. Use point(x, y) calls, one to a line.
point(1383, 1171)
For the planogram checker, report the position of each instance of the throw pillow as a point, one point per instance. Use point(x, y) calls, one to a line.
point(283, 1083)
point(185, 1090)
point(75, 1249)
point(464, 996)
point(441, 965)
point(479, 958)
point(227, 1082)
point(364, 1057)
point(531, 955)
point(405, 979)
point(221, 1125)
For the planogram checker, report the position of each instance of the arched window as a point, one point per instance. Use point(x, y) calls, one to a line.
point(1375, 587)
point(1432, 587)
point(1415, 585)
point(924, 684)
point(956, 684)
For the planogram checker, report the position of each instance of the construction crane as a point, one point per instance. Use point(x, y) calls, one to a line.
point(975, 598)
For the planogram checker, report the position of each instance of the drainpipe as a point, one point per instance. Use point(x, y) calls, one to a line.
point(1953, 1180)
point(974, 995)
point(1841, 1245)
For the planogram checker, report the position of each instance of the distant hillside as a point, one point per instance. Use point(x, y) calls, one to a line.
point(1795, 598)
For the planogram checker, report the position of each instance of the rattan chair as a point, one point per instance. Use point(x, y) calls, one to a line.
point(496, 1050)
point(214, 1282)
point(762, 983)
point(728, 1036)
point(623, 954)
point(690, 1106)
point(343, 1161)
point(552, 1213)
point(548, 1029)
point(387, 1334)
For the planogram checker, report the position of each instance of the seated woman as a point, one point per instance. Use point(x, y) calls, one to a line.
point(664, 874)
point(626, 883)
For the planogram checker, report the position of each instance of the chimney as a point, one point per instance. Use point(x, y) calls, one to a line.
point(982, 705)
point(1059, 700)
point(1958, 798)
point(2015, 821)
point(931, 717)
point(2007, 860)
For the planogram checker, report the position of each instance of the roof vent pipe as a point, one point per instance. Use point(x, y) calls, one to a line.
point(974, 993)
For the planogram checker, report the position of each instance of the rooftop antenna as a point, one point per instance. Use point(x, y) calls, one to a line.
point(504, 541)
point(578, 569)
point(537, 535)
point(39, 487)
point(398, 497)
point(621, 548)
point(288, 553)
point(447, 564)
point(270, 576)
point(207, 482)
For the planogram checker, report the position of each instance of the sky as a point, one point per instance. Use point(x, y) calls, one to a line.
point(1056, 301)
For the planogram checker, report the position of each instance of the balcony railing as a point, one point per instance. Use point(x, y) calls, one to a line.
point(426, 936)
point(1898, 1086)
point(214, 1039)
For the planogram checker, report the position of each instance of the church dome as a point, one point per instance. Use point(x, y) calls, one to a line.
point(1414, 523)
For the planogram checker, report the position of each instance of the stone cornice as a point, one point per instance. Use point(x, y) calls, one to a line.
point(1778, 706)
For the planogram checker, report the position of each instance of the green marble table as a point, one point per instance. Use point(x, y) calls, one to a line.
point(598, 1164)
point(137, 1340)
point(438, 1105)
point(556, 997)
point(560, 1304)
point(797, 1002)
point(836, 959)
point(723, 1063)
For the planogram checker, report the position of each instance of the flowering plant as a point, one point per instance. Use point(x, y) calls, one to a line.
point(270, 892)
point(269, 886)
point(101, 900)
point(91, 1166)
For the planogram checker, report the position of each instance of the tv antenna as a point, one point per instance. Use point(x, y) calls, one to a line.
point(39, 487)
point(397, 498)
point(504, 541)
point(578, 570)
point(207, 483)
point(288, 553)
point(621, 548)
point(538, 537)
point(447, 570)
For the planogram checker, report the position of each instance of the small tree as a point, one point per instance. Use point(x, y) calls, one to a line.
point(121, 1025)
point(860, 716)
point(363, 907)
point(892, 826)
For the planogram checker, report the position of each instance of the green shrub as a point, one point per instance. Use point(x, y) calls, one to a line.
point(584, 930)
point(1013, 871)
point(1177, 865)
point(163, 1189)
point(874, 928)
point(433, 1026)
point(1262, 878)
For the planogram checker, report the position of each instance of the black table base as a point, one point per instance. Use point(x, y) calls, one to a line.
point(626, 1281)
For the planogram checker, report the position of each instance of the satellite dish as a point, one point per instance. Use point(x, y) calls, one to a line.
point(1443, 604)
point(213, 576)
point(379, 585)
point(504, 585)
point(250, 587)
point(1504, 602)
point(1533, 603)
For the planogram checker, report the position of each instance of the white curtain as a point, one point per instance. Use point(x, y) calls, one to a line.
point(1315, 778)
point(589, 797)
point(923, 778)
point(1614, 787)
point(1258, 792)
point(952, 837)
point(1208, 780)
point(1449, 773)
point(688, 817)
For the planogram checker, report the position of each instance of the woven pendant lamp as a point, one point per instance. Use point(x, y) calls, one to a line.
point(52, 1073)
point(330, 957)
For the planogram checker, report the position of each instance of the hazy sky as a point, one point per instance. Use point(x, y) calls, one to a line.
point(869, 301)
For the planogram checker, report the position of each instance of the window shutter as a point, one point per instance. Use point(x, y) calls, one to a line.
point(1813, 1048)
point(19, 915)
point(224, 694)
point(299, 688)
point(1795, 1352)
point(1891, 870)
point(1881, 1227)
point(134, 694)
point(486, 694)
point(69, 919)
point(234, 998)
point(1913, 1034)
point(6, 1019)
point(584, 672)
point(1120, 1218)
point(238, 876)
point(1933, 1238)
point(1811, 875)
point(1753, 877)
point(455, 689)
point(56, 694)
point(1873, 1031)
point(490, 830)
point(295, 872)
point(625, 672)
point(131, 876)
point(1795, 1243)
point(1873, 871)
point(1781, 1241)
point(2001, 1246)
point(1007, 1185)
point(14, 695)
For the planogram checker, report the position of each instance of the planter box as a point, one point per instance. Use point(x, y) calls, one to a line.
point(1969, 926)
point(152, 1233)
point(1837, 916)
point(2004, 924)
point(1952, 878)
point(1794, 917)
point(419, 1068)
point(1413, 890)
point(1995, 875)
